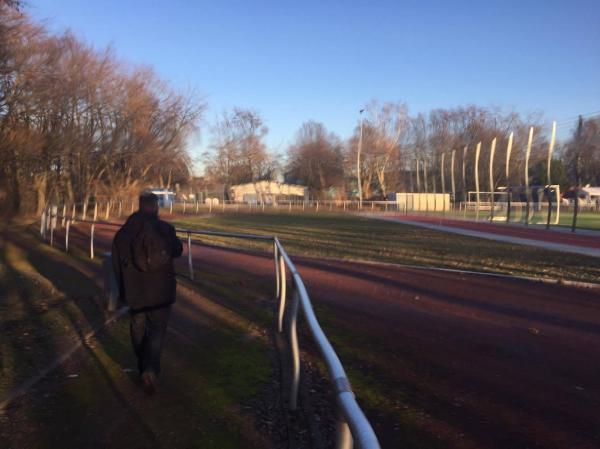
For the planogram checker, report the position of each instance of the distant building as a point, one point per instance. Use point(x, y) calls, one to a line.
point(267, 192)
point(165, 196)
point(590, 194)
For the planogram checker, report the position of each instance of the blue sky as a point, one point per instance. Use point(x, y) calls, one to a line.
point(322, 60)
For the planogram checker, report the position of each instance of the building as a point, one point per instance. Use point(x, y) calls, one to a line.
point(165, 196)
point(590, 194)
point(267, 192)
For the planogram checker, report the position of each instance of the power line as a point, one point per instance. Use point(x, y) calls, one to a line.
point(572, 119)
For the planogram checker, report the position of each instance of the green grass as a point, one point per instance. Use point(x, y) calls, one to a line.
point(215, 362)
point(355, 237)
point(38, 317)
point(585, 220)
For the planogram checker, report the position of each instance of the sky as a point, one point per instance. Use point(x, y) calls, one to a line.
point(292, 61)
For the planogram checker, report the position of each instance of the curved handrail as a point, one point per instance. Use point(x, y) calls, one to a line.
point(352, 422)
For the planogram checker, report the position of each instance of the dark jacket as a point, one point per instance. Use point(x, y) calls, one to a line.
point(140, 290)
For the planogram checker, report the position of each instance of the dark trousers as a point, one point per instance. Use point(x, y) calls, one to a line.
point(147, 336)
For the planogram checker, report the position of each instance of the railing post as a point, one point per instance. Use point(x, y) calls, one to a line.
point(73, 213)
point(53, 217)
point(343, 436)
point(295, 350)
point(43, 224)
point(92, 241)
point(132, 207)
point(197, 207)
point(171, 208)
point(67, 236)
point(183, 207)
point(64, 215)
point(107, 215)
point(48, 220)
point(92, 231)
point(120, 207)
point(282, 291)
point(277, 276)
point(190, 264)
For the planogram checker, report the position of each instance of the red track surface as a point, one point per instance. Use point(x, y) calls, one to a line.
point(481, 362)
point(589, 241)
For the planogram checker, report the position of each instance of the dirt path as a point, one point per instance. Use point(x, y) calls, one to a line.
point(218, 376)
point(451, 360)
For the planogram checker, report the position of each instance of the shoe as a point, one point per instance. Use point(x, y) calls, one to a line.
point(149, 381)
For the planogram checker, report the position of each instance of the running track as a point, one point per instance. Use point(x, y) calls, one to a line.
point(512, 230)
point(473, 361)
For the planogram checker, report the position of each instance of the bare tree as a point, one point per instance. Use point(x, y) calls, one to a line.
point(75, 123)
point(384, 128)
point(315, 160)
point(238, 153)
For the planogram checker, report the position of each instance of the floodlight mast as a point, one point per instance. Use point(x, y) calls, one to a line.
point(358, 160)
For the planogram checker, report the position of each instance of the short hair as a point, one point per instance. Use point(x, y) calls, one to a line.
point(148, 201)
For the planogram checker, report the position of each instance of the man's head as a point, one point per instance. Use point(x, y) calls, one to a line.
point(149, 203)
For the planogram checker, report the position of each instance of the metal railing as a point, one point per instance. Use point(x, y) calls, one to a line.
point(352, 426)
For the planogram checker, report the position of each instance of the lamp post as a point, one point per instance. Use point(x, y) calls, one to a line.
point(358, 160)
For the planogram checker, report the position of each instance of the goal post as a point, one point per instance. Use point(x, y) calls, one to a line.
point(491, 204)
point(519, 204)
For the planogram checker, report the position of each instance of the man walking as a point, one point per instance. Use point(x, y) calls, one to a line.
point(142, 256)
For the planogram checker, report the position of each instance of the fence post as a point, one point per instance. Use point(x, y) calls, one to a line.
point(317, 207)
point(92, 241)
point(132, 207)
point(196, 207)
point(73, 213)
point(107, 215)
point(171, 208)
point(282, 291)
point(184, 207)
point(53, 217)
point(343, 436)
point(277, 276)
point(210, 205)
point(43, 224)
point(549, 207)
point(190, 264)
point(295, 351)
point(64, 215)
point(92, 231)
point(67, 236)
point(575, 210)
point(120, 207)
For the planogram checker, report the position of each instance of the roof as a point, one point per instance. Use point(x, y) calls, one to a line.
point(267, 182)
point(592, 191)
